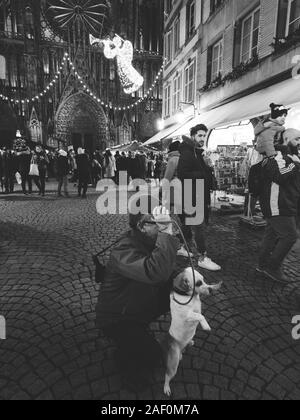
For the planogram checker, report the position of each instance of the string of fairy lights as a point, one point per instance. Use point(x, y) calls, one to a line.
point(85, 87)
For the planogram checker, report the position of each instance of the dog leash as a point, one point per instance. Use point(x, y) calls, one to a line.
point(192, 266)
point(110, 246)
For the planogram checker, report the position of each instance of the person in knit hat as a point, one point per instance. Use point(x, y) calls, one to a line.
point(291, 137)
point(267, 131)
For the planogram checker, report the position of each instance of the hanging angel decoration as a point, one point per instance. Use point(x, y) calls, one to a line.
point(122, 51)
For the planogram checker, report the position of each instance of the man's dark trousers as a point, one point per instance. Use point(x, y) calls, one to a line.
point(280, 237)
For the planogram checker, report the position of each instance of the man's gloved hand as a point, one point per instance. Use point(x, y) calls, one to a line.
point(162, 218)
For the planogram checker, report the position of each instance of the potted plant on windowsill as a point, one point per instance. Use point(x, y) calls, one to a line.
point(282, 44)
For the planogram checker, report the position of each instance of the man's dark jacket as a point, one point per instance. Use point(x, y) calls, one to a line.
point(137, 280)
point(83, 167)
point(280, 190)
point(192, 166)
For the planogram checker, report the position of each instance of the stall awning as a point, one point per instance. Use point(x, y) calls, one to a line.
point(251, 106)
point(167, 132)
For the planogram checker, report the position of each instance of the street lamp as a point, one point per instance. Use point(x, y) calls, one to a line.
point(181, 116)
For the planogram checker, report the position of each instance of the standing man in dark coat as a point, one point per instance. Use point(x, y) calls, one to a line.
point(83, 167)
point(192, 166)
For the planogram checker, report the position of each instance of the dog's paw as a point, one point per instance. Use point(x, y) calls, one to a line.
point(167, 390)
point(205, 326)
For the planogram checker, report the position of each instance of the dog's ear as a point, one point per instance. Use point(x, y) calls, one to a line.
point(216, 287)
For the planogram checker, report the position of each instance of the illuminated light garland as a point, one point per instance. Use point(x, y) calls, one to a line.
point(95, 97)
point(44, 92)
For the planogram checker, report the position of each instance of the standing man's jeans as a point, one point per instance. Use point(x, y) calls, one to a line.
point(280, 237)
point(199, 234)
point(63, 181)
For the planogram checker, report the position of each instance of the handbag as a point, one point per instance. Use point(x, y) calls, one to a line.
point(18, 178)
point(100, 269)
point(34, 169)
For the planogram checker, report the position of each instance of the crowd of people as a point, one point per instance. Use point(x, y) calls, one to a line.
point(37, 165)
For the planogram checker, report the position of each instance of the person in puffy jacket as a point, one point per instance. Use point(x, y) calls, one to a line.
point(270, 130)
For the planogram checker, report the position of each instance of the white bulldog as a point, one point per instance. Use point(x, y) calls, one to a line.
point(185, 319)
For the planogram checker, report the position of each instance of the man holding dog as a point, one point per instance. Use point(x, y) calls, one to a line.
point(136, 292)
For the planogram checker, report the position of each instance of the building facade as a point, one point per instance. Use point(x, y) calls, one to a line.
point(226, 50)
point(77, 99)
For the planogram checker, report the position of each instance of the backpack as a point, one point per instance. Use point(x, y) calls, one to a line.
point(255, 180)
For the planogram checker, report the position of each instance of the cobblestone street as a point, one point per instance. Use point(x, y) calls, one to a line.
point(48, 297)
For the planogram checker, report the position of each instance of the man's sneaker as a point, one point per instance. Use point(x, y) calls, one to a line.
point(276, 275)
point(207, 264)
point(183, 253)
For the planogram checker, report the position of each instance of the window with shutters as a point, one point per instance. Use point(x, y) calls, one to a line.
point(190, 19)
point(177, 35)
point(167, 104)
point(168, 46)
point(189, 82)
point(250, 36)
point(177, 92)
point(216, 60)
point(288, 17)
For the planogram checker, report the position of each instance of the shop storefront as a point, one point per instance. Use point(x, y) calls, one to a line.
point(231, 135)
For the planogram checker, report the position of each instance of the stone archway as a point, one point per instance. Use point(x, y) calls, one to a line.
point(80, 121)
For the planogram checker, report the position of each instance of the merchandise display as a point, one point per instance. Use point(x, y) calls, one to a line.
point(228, 161)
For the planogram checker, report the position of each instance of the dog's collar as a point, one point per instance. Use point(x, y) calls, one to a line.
point(180, 292)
